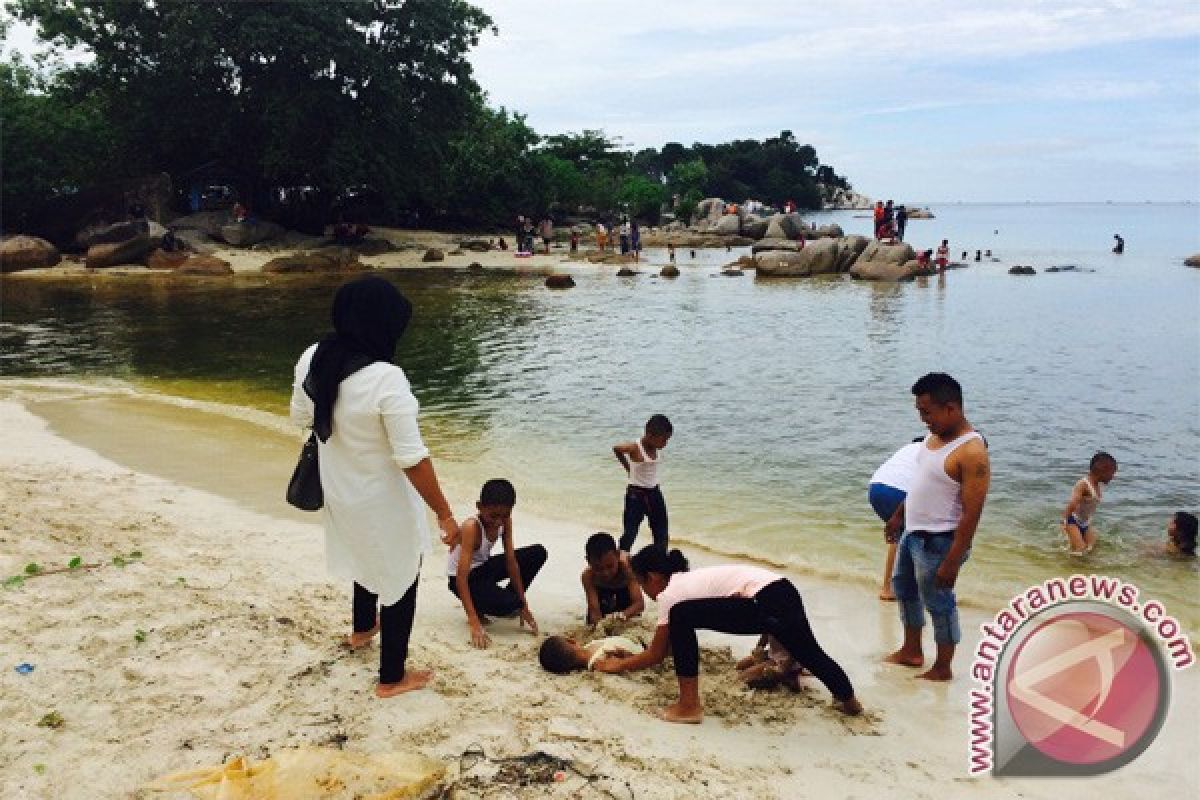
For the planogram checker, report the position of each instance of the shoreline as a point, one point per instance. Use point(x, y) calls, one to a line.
point(241, 655)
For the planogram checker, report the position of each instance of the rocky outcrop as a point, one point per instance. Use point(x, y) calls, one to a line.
point(131, 251)
point(27, 252)
point(920, 213)
point(670, 271)
point(755, 227)
point(1019, 270)
point(164, 259)
point(244, 234)
point(1192, 261)
point(784, 226)
point(708, 212)
point(328, 259)
point(839, 198)
point(728, 225)
point(885, 262)
point(62, 217)
point(627, 272)
point(204, 265)
point(475, 245)
point(851, 247)
point(560, 282)
point(208, 223)
point(433, 254)
point(830, 231)
point(819, 258)
point(769, 244)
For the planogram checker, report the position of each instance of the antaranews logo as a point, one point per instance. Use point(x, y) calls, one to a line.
point(1074, 679)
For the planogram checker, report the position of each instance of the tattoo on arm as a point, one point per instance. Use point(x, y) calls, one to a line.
point(981, 470)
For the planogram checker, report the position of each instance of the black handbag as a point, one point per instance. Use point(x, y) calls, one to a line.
point(304, 489)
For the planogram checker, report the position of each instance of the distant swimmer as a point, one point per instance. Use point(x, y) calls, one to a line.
point(1119, 247)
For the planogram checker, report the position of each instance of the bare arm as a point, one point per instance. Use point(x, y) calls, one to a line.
point(895, 524)
point(514, 576)
point(593, 600)
point(637, 603)
point(423, 478)
point(975, 470)
point(626, 452)
point(651, 656)
point(470, 541)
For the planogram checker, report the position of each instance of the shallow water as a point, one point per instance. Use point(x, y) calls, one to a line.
point(785, 394)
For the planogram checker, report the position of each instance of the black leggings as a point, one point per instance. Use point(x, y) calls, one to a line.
point(488, 595)
point(641, 503)
point(777, 609)
point(395, 627)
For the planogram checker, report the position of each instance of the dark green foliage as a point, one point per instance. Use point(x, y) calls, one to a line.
point(325, 95)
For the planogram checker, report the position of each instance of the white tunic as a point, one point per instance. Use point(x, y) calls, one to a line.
point(376, 528)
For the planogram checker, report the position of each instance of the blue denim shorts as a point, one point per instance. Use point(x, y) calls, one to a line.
point(917, 560)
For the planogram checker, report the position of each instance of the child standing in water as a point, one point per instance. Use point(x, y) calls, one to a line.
point(1088, 491)
point(643, 497)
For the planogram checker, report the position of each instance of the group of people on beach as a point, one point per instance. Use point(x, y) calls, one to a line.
point(626, 238)
point(890, 221)
point(378, 478)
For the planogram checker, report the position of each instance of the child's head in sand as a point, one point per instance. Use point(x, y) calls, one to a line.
point(562, 655)
point(1181, 534)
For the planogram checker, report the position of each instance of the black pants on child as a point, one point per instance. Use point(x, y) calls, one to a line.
point(641, 503)
point(777, 609)
point(488, 595)
point(395, 627)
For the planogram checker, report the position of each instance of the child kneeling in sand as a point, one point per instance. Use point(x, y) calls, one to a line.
point(608, 582)
point(562, 654)
point(475, 574)
point(1088, 491)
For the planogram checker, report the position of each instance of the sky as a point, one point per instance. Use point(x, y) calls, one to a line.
point(931, 100)
point(936, 100)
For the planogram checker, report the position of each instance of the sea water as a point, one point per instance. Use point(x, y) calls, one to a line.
point(785, 394)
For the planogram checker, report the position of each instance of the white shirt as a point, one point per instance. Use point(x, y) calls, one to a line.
point(934, 501)
point(898, 470)
point(644, 473)
point(733, 580)
point(376, 527)
point(603, 648)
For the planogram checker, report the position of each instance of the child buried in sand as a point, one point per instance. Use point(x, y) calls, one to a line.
point(562, 654)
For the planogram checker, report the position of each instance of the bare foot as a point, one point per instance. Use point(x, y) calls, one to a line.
point(905, 658)
point(684, 714)
point(358, 640)
point(850, 706)
point(936, 673)
point(412, 680)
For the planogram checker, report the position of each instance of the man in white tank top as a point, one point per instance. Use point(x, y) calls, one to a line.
point(941, 513)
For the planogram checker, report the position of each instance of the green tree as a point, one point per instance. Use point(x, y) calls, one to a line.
point(321, 93)
point(642, 197)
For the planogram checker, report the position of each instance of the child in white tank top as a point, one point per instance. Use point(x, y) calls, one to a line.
point(643, 497)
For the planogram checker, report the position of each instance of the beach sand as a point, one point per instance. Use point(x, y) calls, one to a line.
point(221, 637)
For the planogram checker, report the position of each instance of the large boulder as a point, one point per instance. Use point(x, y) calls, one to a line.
point(244, 234)
point(784, 226)
point(63, 216)
point(771, 243)
point(1192, 261)
point(204, 265)
point(560, 281)
point(754, 227)
point(670, 271)
point(166, 259)
point(830, 231)
point(818, 258)
point(207, 222)
point(729, 225)
point(196, 240)
point(433, 254)
point(107, 234)
point(851, 247)
point(27, 252)
point(131, 251)
point(885, 262)
point(328, 259)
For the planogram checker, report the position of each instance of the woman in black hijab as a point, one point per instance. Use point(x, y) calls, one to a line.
point(376, 472)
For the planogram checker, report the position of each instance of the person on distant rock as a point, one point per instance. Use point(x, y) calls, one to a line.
point(574, 241)
point(546, 228)
point(901, 222)
point(889, 213)
point(878, 217)
point(601, 237)
point(789, 207)
point(1119, 247)
point(978, 255)
point(240, 212)
point(635, 240)
point(671, 252)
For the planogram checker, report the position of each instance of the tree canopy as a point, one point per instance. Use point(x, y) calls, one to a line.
point(326, 95)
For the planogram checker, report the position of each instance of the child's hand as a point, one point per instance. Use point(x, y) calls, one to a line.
point(479, 637)
point(450, 531)
point(527, 618)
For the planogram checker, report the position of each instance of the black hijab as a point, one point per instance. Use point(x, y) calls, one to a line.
point(369, 316)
